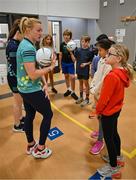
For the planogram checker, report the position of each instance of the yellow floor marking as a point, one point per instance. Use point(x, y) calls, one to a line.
point(71, 119)
point(133, 153)
point(129, 155)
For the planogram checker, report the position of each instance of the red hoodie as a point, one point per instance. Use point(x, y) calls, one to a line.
point(112, 92)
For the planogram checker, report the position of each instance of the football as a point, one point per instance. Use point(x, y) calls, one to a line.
point(71, 45)
point(43, 57)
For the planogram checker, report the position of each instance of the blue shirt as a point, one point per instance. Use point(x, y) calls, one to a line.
point(83, 56)
point(94, 64)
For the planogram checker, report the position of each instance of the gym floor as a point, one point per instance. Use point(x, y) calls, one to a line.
point(71, 158)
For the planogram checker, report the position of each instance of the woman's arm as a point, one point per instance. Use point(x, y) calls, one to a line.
point(45, 86)
point(34, 73)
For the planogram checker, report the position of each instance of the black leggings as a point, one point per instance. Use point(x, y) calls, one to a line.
point(33, 102)
point(111, 137)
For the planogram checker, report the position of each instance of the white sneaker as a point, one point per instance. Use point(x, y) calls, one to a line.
point(45, 153)
point(30, 149)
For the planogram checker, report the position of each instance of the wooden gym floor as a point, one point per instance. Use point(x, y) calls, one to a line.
point(70, 158)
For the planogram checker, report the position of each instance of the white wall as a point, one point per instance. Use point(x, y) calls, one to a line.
point(74, 8)
point(93, 30)
point(24, 6)
point(78, 26)
point(65, 8)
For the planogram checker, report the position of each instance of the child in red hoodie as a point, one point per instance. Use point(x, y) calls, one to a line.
point(109, 107)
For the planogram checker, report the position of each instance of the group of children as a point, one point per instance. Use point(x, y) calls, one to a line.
point(110, 77)
point(110, 73)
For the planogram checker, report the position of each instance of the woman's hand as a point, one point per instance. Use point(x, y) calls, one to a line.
point(45, 89)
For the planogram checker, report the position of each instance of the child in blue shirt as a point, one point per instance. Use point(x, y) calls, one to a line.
point(83, 57)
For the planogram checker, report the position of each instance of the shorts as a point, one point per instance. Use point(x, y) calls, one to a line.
point(68, 68)
point(82, 77)
point(12, 82)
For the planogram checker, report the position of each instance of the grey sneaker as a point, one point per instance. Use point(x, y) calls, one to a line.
point(120, 160)
point(85, 102)
point(79, 100)
point(108, 171)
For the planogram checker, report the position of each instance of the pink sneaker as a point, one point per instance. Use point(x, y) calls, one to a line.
point(96, 149)
point(94, 134)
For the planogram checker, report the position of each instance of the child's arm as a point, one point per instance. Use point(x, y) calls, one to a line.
point(85, 64)
point(72, 55)
point(60, 59)
point(60, 55)
point(107, 91)
point(53, 58)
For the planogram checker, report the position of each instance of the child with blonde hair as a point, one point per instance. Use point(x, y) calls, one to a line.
point(110, 105)
point(47, 42)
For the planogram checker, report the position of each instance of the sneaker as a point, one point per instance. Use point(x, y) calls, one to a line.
point(19, 128)
point(94, 134)
point(96, 149)
point(67, 93)
point(92, 115)
point(108, 171)
point(45, 153)
point(54, 90)
point(74, 96)
point(30, 149)
point(120, 160)
point(85, 102)
point(79, 100)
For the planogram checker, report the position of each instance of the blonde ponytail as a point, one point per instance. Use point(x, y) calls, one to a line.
point(26, 23)
point(123, 52)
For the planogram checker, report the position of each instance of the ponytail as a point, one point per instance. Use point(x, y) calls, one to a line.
point(14, 29)
point(27, 23)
